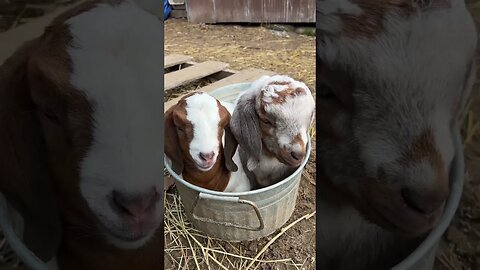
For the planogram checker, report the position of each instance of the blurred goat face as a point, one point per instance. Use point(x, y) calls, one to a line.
point(100, 114)
point(286, 113)
point(200, 121)
point(401, 89)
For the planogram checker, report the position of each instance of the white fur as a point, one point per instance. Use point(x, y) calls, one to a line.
point(296, 111)
point(203, 113)
point(238, 181)
point(445, 28)
point(116, 61)
point(295, 115)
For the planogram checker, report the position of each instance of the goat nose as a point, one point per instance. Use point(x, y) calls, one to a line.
point(424, 202)
point(297, 155)
point(207, 156)
point(135, 205)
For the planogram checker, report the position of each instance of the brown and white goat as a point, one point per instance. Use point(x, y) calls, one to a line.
point(393, 78)
point(271, 122)
point(80, 125)
point(200, 145)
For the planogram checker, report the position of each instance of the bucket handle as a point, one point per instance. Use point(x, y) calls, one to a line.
point(206, 196)
point(27, 256)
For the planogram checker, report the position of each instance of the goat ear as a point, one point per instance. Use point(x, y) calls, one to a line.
point(230, 149)
point(245, 127)
point(172, 146)
point(24, 175)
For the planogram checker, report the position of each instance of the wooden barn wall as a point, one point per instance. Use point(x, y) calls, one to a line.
point(254, 11)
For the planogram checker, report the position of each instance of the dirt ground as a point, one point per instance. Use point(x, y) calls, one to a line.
point(460, 248)
point(279, 51)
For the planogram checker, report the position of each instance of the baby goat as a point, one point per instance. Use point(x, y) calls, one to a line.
point(271, 122)
point(201, 146)
point(79, 149)
point(393, 79)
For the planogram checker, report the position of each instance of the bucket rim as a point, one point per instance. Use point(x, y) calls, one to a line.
point(453, 201)
point(243, 193)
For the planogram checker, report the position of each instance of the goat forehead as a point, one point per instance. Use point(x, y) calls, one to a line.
point(116, 58)
point(296, 111)
point(203, 112)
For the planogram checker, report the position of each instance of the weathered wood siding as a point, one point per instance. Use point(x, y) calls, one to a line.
point(254, 11)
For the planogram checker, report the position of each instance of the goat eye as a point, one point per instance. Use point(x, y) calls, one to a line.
point(50, 115)
point(267, 122)
point(180, 129)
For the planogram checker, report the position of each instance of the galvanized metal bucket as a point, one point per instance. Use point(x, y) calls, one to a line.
point(423, 257)
point(243, 215)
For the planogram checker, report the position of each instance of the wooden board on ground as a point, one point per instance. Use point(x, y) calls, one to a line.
point(192, 73)
point(175, 59)
point(248, 75)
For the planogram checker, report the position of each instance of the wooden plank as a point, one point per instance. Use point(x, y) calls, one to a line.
point(248, 75)
point(192, 73)
point(217, 76)
point(175, 59)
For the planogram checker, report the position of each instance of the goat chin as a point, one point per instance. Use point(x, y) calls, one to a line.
point(347, 241)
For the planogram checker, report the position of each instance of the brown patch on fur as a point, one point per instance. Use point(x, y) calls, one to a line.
point(371, 21)
point(48, 126)
point(279, 83)
point(298, 140)
point(423, 148)
point(283, 95)
point(217, 177)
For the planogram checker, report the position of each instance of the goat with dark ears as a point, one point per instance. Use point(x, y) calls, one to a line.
point(393, 80)
point(271, 123)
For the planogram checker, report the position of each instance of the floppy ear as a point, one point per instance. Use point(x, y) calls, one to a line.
point(245, 128)
point(24, 175)
point(230, 148)
point(172, 146)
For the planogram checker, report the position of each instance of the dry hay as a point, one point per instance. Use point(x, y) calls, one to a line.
point(188, 248)
point(244, 47)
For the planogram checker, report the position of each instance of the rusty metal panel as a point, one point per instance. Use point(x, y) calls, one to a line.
point(255, 11)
